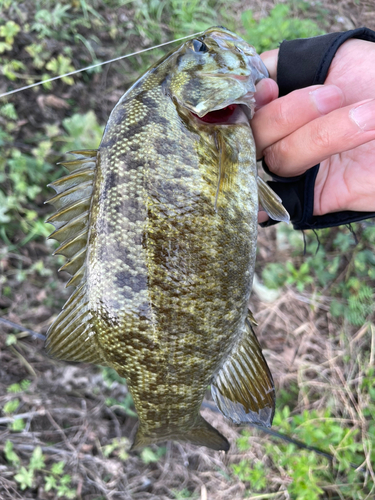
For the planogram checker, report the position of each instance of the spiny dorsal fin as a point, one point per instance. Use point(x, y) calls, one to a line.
point(74, 192)
point(243, 389)
point(271, 202)
point(84, 158)
point(70, 336)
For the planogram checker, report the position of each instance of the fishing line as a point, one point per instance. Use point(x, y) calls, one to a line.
point(23, 329)
point(97, 65)
point(288, 439)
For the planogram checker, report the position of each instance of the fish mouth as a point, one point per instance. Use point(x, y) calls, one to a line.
point(229, 115)
point(239, 112)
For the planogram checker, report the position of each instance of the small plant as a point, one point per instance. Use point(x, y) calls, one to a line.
point(54, 479)
point(119, 447)
point(150, 456)
point(185, 493)
point(254, 474)
point(279, 25)
point(59, 66)
point(8, 31)
point(11, 406)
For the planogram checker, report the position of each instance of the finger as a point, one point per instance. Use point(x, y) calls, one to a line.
point(266, 91)
point(339, 131)
point(270, 60)
point(285, 115)
point(262, 217)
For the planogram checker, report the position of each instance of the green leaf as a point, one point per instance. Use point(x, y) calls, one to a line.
point(37, 459)
point(148, 456)
point(57, 468)
point(22, 386)
point(11, 339)
point(10, 455)
point(11, 406)
point(50, 483)
point(18, 425)
point(9, 31)
point(24, 478)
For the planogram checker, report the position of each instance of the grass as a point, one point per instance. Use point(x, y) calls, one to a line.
point(76, 422)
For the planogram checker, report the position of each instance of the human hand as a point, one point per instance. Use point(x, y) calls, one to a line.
point(333, 125)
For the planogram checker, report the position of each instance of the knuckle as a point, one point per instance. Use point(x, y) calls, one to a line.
point(321, 138)
point(283, 116)
point(273, 157)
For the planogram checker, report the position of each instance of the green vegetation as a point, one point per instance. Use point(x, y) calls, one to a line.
point(340, 269)
point(278, 26)
point(312, 474)
point(54, 478)
point(125, 403)
point(36, 129)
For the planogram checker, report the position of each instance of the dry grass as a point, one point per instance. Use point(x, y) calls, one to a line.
point(65, 408)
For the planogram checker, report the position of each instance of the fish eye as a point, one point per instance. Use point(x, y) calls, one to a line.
point(239, 50)
point(199, 46)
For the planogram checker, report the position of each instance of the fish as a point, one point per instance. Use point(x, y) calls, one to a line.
point(159, 225)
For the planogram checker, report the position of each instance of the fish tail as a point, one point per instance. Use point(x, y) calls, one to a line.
point(200, 434)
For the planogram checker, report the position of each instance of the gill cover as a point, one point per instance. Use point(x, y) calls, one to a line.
point(215, 70)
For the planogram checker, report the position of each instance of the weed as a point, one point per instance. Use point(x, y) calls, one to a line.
point(118, 447)
point(54, 479)
point(126, 402)
point(185, 493)
point(8, 31)
point(310, 473)
point(252, 474)
point(11, 406)
point(352, 296)
point(59, 66)
point(280, 25)
point(150, 456)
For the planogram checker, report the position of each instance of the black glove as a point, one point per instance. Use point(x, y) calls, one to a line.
point(304, 62)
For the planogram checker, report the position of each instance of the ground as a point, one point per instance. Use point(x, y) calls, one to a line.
point(66, 428)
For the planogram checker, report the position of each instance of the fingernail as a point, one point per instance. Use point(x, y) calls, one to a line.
point(364, 115)
point(327, 98)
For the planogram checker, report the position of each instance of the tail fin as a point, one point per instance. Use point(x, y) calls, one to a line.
point(200, 434)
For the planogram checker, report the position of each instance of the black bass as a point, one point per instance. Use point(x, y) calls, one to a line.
point(160, 228)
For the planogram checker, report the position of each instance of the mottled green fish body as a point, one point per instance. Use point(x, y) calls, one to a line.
point(160, 228)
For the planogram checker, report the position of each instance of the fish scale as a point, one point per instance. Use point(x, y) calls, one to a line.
point(164, 257)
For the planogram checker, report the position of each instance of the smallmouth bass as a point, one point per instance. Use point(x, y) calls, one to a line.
point(160, 228)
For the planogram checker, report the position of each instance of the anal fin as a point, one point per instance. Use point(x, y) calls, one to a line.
point(243, 389)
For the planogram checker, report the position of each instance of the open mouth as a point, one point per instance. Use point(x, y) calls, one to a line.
point(232, 114)
point(218, 116)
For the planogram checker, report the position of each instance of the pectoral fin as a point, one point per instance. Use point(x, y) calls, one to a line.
point(243, 389)
point(271, 202)
point(226, 167)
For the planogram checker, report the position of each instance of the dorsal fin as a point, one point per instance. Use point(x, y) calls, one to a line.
point(70, 337)
point(243, 389)
point(72, 201)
